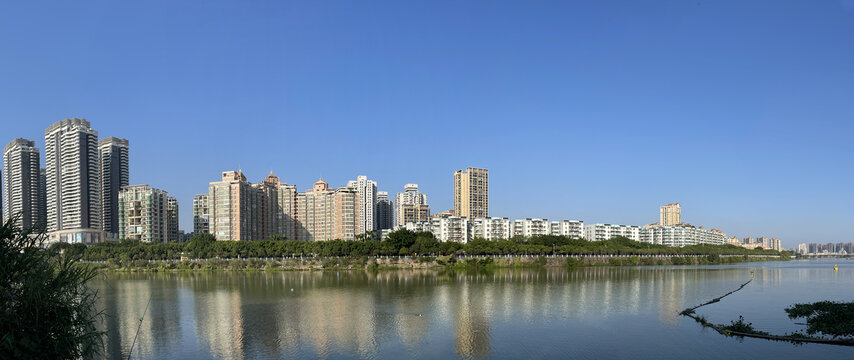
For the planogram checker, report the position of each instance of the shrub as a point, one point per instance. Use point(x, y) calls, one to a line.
point(46, 309)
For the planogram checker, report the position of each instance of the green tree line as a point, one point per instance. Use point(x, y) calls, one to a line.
point(401, 242)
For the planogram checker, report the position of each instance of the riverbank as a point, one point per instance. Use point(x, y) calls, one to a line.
point(421, 262)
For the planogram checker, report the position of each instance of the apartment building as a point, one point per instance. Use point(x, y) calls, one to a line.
point(201, 214)
point(144, 214)
point(599, 232)
point(410, 206)
point(72, 182)
point(326, 213)
point(570, 228)
point(681, 235)
point(23, 191)
point(491, 228)
point(471, 193)
point(366, 190)
point(113, 174)
point(531, 227)
point(384, 211)
point(670, 215)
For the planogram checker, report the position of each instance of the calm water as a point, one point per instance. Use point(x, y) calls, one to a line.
point(590, 313)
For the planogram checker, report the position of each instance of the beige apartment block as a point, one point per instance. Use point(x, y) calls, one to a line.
point(233, 208)
point(325, 213)
point(671, 214)
point(471, 193)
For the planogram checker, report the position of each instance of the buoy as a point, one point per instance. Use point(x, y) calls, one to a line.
point(835, 268)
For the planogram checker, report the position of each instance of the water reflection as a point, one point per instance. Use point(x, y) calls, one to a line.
point(389, 314)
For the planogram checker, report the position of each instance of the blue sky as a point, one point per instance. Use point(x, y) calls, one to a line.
point(601, 111)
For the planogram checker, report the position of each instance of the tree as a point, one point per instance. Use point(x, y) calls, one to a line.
point(402, 238)
point(200, 244)
point(46, 310)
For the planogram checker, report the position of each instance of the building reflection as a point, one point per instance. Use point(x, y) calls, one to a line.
point(329, 314)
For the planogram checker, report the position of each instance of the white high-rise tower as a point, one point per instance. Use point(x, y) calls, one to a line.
point(73, 201)
point(367, 202)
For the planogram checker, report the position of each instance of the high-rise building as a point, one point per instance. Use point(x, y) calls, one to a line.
point(22, 188)
point(410, 206)
point(384, 211)
point(233, 208)
point(113, 174)
point(172, 219)
point(267, 199)
point(471, 193)
point(200, 214)
point(144, 214)
point(288, 226)
point(43, 197)
point(367, 191)
point(73, 200)
point(671, 214)
point(325, 213)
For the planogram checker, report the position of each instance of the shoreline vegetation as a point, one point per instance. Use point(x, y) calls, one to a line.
point(835, 319)
point(403, 249)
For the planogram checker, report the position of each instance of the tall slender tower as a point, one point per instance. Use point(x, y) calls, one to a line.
point(367, 202)
point(113, 174)
point(200, 214)
point(471, 193)
point(172, 219)
point(385, 211)
point(22, 190)
point(73, 201)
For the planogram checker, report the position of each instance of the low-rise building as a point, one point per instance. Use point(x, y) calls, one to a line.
point(491, 228)
point(599, 232)
point(681, 235)
point(531, 227)
point(570, 228)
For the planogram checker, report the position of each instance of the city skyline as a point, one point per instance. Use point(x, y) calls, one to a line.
point(752, 121)
point(669, 213)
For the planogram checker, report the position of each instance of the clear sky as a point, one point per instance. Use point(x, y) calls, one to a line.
point(602, 111)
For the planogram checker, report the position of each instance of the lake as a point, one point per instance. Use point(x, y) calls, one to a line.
point(587, 313)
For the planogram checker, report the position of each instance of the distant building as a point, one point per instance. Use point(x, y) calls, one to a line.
point(445, 213)
point(531, 227)
point(23, 192)
point(681, 235)
point(570, 228)
point(410, 206)
point(73, 194)
point(671, 214)
point(445, 229)
point(113, 174)
point(201, 214)
point(233, 207)
point(172, 219)
point(492, 228)
point(326, 213)
point(471, 193)
point(144, 214)
point(366, 189)
point(384, 211)
point(599, 232)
